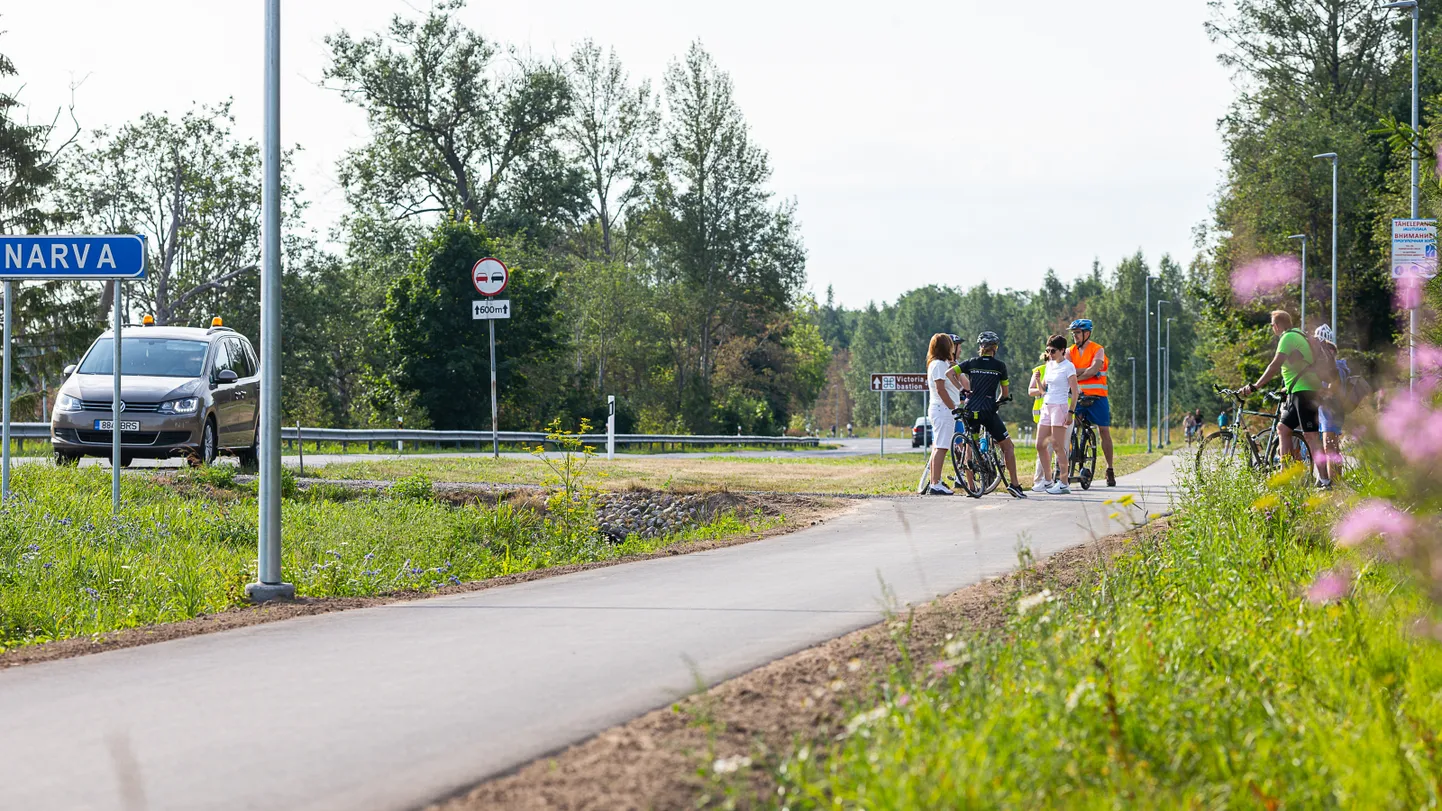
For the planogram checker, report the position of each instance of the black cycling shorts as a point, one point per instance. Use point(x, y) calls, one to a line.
point(1300, 412)
point(991, 421)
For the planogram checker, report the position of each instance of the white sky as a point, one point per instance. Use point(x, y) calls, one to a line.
point(953, 142)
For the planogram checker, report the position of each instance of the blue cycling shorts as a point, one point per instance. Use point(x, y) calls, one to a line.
point(1100, 412)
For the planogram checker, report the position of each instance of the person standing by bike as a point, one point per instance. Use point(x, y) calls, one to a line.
point(985, 384)
point(1332, 409)
point(943, 386)
point(1060, 390)
point(1299, 366)
point(1090, 360)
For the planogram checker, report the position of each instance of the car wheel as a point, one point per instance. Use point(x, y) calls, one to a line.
point(126, 459)
point(250, 457)
point(63, 459)
point(209, 447)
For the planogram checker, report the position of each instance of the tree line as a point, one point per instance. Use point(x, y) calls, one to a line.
point(650, 258)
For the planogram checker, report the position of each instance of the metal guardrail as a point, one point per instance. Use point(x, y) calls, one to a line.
point(41, 430)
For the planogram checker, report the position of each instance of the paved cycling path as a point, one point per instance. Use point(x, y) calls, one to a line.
point(390, 707)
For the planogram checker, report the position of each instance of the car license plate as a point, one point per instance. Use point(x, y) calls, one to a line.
point(125, 425)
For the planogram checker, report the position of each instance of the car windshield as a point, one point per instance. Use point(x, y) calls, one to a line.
point(158, 357)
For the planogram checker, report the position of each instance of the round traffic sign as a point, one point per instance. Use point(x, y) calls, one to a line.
point(490, 276)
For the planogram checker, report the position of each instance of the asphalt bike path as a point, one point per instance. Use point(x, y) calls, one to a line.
point(395, 706)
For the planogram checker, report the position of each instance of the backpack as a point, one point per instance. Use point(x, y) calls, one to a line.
point(1353, 390)
point(1326, 374)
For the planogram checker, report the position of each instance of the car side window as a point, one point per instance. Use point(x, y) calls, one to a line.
point(222, 360)
point(239, 360)
point(252, 363)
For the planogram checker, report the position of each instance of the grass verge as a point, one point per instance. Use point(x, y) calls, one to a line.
point(861, 475)
point(1191, 672)
point(184, 545)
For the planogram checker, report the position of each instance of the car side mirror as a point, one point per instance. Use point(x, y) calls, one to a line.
point(227, 376)
point(69, 370)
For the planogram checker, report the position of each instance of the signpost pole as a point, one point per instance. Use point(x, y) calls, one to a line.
point(495, 435)
point(9, 322)
point(883, 423)
point(269, 585)
point(115, 402)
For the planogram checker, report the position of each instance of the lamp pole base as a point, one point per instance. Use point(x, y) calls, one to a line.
point(265, 592)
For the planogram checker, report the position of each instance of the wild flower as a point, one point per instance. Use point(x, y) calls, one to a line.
point(867, 718)
point(1265, 276)
point(731, 764)
point(1372, 518)
point(1412, 428)
point(95, 595)
point(369, 555)
point(1328, 587)
point(1031, 601)
point(1408, 295)
point(941, 667)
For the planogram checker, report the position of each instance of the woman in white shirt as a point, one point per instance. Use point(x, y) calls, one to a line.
point(1059, 388)
point(943, 385)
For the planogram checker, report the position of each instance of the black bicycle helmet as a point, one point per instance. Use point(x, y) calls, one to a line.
point(988, 337)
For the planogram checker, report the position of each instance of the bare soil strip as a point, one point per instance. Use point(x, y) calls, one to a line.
point(658, 760)
point(799, 512)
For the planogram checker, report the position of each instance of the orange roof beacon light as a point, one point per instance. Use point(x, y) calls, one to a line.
point(216, 322)
point(148, 321)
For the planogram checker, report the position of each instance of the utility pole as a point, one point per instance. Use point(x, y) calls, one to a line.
point(1133, 381)
point(1147, 352)
point(1160, 415)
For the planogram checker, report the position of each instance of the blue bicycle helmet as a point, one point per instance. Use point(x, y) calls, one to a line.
point(1081, 323)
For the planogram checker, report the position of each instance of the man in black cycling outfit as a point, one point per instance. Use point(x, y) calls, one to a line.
point(985, 382)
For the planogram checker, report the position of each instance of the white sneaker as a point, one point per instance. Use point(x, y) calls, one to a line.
point(1059, 489)
point(939, 490)
point(1040, 486)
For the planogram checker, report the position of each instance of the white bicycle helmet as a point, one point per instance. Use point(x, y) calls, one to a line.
point(1324, 334)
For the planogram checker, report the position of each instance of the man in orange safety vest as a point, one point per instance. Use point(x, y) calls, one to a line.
point(1090, 360)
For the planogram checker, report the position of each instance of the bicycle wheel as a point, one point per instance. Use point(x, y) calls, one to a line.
point(1216, 449)
point(1084, 466)
point(962, 452)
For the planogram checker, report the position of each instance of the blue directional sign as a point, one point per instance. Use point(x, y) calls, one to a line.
point(120, 256)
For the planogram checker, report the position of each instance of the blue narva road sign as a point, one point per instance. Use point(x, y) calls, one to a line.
point(120, 256)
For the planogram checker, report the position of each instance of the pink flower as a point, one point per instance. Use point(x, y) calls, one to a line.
point(1371, 518)
point(1327, 587)
point(941, 667)
point(1412, 427)
point(1265, 276)
point(1429, 366)
point(901, 700)
point(1408, 295)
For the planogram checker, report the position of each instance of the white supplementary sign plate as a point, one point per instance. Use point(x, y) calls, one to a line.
point(125, 425)
point(1414, 248)
point(490, 309)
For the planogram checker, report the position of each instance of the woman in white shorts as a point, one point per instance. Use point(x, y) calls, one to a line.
point(944, 387)
point(1059, 388)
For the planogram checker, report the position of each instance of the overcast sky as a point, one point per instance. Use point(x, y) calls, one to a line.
point(953, 142)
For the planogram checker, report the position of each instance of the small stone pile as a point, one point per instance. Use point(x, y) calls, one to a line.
point(649, 514)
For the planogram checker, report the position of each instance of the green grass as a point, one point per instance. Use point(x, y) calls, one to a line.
point(186, 545)
point(1192, 672)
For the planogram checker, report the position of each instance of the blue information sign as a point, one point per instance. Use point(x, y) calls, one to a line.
point(120, 256)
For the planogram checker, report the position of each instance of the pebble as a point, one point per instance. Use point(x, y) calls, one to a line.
point(648, 515)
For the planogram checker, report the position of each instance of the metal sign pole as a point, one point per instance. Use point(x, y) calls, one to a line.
point(269, 585)
point(495, 435)
point(115, 401)
point(9, 322)
point(610, 427)
point(883, 423)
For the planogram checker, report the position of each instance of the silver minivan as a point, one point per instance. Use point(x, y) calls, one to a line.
point(184, 391)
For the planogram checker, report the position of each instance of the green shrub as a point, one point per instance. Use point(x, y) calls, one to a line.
point(416, 486)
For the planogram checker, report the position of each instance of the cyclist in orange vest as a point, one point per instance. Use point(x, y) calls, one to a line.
point(1090, 359)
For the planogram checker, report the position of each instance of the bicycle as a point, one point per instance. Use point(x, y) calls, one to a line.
point(1082, 452)
point(1262, 448)
point(973, 451)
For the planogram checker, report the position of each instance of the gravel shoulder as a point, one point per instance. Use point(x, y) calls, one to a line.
point(721, 745)
point(795, 511)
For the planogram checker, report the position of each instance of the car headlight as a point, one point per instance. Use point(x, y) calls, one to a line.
point(67, 403)
point(185, 405)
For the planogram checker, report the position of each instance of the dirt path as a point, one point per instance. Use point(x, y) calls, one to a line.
point(657, 760)
point(798, 511)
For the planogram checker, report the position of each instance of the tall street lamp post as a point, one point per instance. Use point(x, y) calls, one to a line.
point(1303, 237)
point(1167, 398)
point(1147, 351)
point(1333, 157)
point(1160, 414)
point(1412, 327)
point(1133, 382)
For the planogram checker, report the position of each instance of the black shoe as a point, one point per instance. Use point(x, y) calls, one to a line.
point(1016, 492)
point(1111, 478)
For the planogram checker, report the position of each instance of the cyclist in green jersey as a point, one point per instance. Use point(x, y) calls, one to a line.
point(1304, 377)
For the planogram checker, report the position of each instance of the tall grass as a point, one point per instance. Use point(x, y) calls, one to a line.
point(186, 545)
point(1194, 672)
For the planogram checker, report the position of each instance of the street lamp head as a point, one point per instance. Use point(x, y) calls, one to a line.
point(1302, 237)
point(1331, 155)
point(1131, 358)
point(1401, 4)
